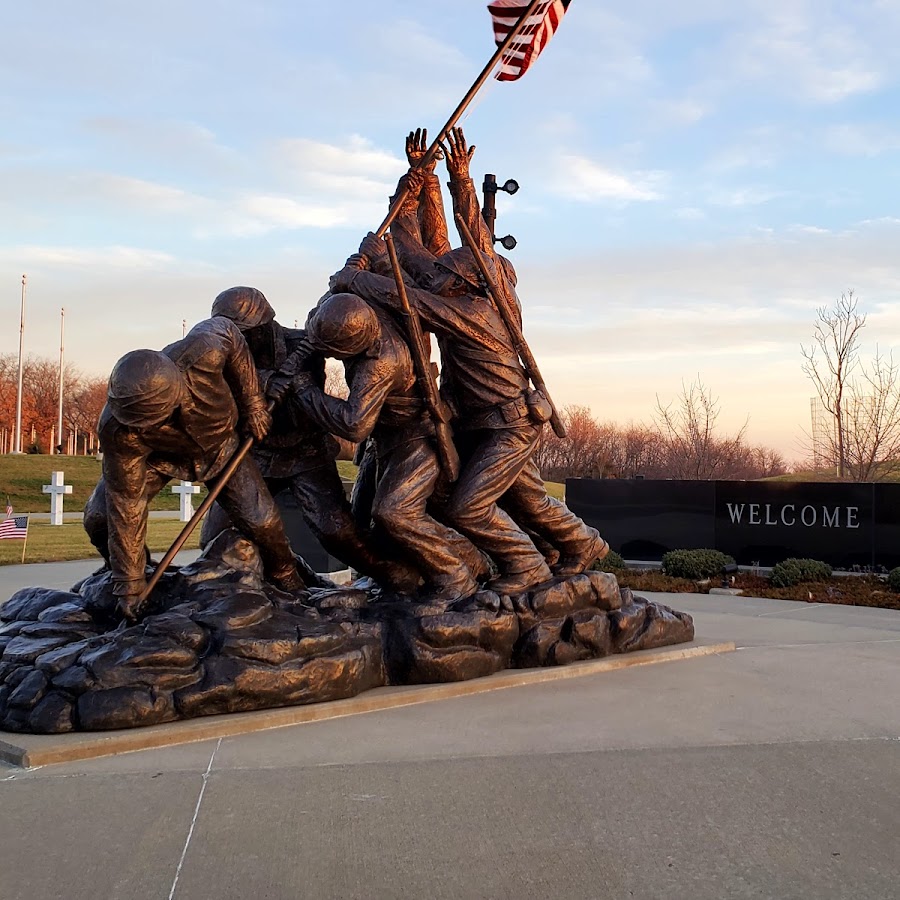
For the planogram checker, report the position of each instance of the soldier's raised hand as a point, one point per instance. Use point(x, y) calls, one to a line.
point(458, 154)
point(340, 281)
point(258, 423)
point(128, 601)
point(413, 181)
point(278, 387)
point(416, 145)
point(372, 246)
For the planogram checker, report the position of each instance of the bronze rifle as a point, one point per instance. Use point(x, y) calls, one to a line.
point(437, 408)
point(512, 326)
point(208, 501)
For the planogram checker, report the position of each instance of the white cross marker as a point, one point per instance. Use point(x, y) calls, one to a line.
point(185, 490)
point(57, 490)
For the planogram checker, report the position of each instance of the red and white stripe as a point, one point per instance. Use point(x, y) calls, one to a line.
point(533, 37)
point(12, 529)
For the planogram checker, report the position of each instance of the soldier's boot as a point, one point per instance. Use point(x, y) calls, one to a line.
point(511, 583)
point(397, 575)
point(477, 563)
point(579, 556)
point(289, 580)
point(451, 587)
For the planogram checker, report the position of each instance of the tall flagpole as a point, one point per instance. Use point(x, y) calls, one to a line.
point(18, 443)
point(62, 372)
point(456, 115)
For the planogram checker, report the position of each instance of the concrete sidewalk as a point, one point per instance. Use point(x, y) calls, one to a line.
point(61, 575)
point(773, 771)
point(78, 516)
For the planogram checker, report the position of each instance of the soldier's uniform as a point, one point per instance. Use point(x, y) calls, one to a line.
point(384, 405)
point(298, 453)
point(177, 414)
point(499, 418)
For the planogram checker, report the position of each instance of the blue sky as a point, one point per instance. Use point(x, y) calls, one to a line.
point(696, 177)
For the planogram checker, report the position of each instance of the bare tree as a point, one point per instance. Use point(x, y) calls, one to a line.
point(829, 362)
point(83, 411)
point(589, 450)
point(336, 386)
point(872, 421)
point(687, 425)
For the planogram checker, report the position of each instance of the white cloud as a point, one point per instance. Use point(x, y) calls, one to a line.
point(358, 156)
point(49, 257)
point(138, 193)
point(682, 112)
point(744, 196)
point(861, 139)
point(588, 181)
point(808, 53)
point(263, 213)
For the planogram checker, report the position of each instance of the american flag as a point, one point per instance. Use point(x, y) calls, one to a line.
point(533, 37)
point(14, 528)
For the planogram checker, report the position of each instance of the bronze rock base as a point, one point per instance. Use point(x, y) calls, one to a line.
point(221, 640)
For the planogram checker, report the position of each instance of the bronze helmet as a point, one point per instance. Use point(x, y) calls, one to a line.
point(144, 389)
point(245, 306)
point(343, 325)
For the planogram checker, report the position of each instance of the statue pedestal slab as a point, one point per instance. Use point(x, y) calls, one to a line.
point(220, 640)
point(29, 750)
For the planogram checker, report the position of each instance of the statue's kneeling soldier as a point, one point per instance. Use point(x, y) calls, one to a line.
point(180, 413)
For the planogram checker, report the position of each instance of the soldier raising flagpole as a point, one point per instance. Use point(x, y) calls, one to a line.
point(519, 41)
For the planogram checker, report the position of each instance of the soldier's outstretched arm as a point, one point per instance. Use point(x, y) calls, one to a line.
point(417, 260)
point(440, 314)
point(240, 372)
point(352, 419)
point(432, 220)
point(462, 189)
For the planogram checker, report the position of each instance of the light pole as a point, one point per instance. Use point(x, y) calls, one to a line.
point(62, 371)
point(489, 206)
point(18, 443)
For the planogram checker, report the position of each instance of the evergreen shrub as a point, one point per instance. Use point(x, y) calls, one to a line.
point(695, 564)
point(796, 571)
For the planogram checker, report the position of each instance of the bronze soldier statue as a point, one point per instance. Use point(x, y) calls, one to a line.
point(499, 416)
point(298, 453)
point(384, 405)
point(178, 413)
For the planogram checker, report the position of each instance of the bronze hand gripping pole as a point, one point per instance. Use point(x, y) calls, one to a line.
point(456, 115)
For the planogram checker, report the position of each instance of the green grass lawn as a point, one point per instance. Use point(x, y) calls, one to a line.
point(53, 543)
point(21, 477)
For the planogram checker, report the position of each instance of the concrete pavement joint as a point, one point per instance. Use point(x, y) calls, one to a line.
point(640, 748)
point(782, 612)
point(187, 843)
point(816, 644)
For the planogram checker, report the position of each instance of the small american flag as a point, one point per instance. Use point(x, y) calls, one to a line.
point(14, 528)
point(8, 508)
point(533, 37)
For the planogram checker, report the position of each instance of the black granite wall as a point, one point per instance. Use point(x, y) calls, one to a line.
point(755, 521)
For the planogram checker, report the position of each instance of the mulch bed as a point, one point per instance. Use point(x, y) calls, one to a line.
point(854, 590)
